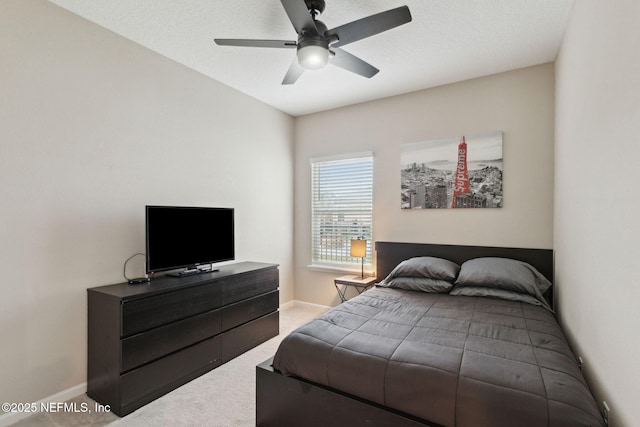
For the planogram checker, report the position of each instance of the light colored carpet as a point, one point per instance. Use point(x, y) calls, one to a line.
point(224, 397)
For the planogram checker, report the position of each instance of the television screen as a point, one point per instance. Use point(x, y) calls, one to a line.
point(185, 237)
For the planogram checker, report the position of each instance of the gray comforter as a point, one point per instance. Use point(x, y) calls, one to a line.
point(452, 360)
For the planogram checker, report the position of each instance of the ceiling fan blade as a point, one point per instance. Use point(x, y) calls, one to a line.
point(295, 71)
point(349, 62)
point(369, 26)
point(299, 15)
point(256, 43)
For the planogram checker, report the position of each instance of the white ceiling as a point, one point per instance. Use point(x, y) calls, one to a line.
point(447, 41)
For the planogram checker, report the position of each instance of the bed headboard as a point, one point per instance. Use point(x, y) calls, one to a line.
point(390, 254)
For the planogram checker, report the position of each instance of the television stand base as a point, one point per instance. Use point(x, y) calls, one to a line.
point(185, 273)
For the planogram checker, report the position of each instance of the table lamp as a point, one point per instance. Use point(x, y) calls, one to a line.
point(359, 250)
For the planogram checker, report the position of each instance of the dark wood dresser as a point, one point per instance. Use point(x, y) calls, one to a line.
point(146, 340)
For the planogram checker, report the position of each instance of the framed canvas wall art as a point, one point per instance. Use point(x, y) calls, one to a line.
point(458, 172)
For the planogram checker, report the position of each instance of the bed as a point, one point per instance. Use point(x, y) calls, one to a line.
point(454, 336)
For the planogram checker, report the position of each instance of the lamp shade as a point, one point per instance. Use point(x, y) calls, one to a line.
point(358, 248)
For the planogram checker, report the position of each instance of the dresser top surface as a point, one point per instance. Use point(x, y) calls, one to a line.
point(163, 284)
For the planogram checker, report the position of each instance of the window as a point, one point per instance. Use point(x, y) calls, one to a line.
point(341, 208)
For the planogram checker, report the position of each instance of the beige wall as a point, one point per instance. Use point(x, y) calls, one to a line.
point(92, 128)
point(597, 236)
point(518, 103)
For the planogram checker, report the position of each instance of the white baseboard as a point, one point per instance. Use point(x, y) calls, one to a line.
point(287, 304)
point(13, 417)
point(294, 303)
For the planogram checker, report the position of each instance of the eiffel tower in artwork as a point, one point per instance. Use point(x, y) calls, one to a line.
point(462, 173)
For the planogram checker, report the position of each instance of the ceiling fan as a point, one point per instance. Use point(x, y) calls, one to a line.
point(317, 45)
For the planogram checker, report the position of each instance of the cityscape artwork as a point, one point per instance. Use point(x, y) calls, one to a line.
point(459, 172)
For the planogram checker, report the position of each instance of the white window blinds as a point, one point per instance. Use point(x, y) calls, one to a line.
point(342, 207)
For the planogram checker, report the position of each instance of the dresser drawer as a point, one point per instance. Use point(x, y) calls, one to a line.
point(245, 337)
point(244, 311)
point(249, 285)
point(146, 347)
point(150, 381)
point(144, 314)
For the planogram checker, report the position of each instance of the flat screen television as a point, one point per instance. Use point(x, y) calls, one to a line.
point(180, 237)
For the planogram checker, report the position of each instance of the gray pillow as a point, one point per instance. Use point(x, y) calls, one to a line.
point(477, 291)
point(428, 267)
point(426, 274)
point(503, 273)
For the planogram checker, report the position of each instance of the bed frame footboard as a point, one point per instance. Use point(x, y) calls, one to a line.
point(287, 401)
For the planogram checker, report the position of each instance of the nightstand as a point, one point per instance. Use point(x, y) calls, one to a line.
point(355, 281)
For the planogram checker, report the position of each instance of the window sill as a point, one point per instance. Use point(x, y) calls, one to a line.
point(323, 268)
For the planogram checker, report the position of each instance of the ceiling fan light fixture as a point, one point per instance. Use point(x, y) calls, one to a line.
point(314, 38)
point(313, 57)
